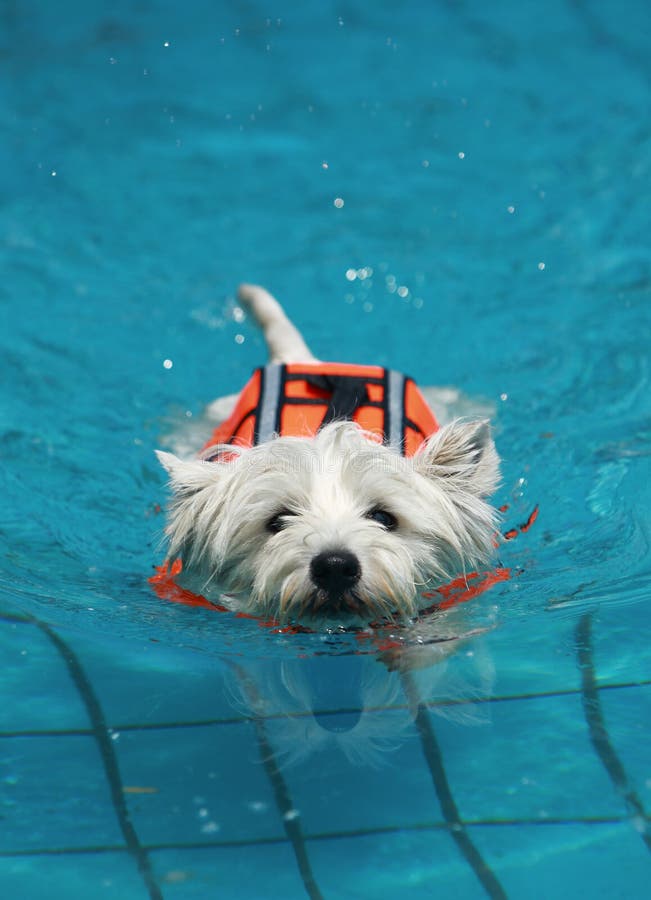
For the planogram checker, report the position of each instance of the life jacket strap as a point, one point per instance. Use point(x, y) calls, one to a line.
point(394, 410)
point(271, 393)
point(347, 394)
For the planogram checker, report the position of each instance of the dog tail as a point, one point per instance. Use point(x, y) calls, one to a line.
point(284, 341)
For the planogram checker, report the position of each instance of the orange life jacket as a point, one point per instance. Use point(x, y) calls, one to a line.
point(300, 398)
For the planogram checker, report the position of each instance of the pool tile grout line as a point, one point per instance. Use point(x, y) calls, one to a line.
point(599, 736)
point(353, 834)
point(453, 820)
point(107, 753)
point(243, 719)
point(284, 804)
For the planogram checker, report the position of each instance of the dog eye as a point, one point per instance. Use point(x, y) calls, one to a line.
point(383, 517)
point(278, 522)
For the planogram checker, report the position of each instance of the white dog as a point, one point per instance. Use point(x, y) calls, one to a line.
point(330, 492)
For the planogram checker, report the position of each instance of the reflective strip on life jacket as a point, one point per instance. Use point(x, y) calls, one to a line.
point(298, 399)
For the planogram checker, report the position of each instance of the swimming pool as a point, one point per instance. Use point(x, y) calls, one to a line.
point(458, 191)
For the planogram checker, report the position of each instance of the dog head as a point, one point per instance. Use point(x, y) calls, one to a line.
point(337, 525)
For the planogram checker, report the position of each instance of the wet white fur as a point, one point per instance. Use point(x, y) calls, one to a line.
point(220, 510)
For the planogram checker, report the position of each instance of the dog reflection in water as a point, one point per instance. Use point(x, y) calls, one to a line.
point(356, 703)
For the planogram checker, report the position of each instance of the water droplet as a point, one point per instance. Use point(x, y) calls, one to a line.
point(639, 824)
point(257, 806)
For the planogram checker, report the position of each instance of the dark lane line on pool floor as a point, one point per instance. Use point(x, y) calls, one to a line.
point(102, 737)
point(454, 822)
point(599, 735)
point(280, 790)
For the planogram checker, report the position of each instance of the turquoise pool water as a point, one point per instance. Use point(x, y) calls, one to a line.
point(494, 164)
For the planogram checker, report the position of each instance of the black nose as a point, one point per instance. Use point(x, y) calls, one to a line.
point(335, 571)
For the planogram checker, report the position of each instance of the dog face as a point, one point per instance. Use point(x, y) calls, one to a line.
point(335, 526)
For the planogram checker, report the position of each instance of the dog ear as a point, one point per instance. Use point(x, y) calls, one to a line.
point(464, 454)
point(188, 477)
